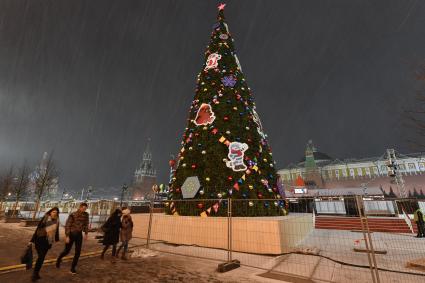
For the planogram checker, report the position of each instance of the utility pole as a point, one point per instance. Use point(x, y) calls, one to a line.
point(394, 172)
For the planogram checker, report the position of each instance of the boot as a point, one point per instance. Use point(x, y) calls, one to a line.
point(35, 277)
point(123, 257)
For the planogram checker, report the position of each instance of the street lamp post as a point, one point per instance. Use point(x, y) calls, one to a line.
point(123, 190)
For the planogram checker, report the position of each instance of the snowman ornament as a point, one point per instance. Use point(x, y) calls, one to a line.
point(236, 156)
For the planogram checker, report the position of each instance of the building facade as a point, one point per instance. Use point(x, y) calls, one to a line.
point(320, 171)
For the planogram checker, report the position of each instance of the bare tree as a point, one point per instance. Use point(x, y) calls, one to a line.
point(20, 186)
point(6, 183)
point(45, 178)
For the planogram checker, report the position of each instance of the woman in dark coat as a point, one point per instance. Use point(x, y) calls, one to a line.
point(111, 230)
point(46, 233)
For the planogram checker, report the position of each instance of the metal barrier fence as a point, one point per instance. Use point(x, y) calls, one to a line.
point(339, 239)
point(364, 245)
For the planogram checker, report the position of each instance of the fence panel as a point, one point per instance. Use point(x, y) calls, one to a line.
point(396, 248)
point(302, 245)
point(196, 236)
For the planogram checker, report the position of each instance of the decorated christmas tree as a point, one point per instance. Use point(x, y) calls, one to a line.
point(225, 152)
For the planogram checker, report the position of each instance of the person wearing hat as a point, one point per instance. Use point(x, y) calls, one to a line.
point(126, 232)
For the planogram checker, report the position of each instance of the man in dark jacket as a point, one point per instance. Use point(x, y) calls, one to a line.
point(419, 219)
point(76, 224)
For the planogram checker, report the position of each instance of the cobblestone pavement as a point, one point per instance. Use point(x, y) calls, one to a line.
point(161, 267)
point(14, 238)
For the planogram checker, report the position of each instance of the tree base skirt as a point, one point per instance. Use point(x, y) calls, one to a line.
point(260, 235)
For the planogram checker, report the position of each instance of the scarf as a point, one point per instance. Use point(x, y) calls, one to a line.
point(51, 226)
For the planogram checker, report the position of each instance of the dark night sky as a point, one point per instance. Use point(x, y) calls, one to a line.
point(94, 79)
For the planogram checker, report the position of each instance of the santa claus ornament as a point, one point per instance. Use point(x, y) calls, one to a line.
point(212, 61)
point(204, 116)
point(236, 156)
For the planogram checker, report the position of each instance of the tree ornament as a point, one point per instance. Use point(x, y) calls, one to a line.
point(238, 63)
point(190, 187)
point(250, 203)
point(219, 195)
point(190, 148)
point(184, 164)
point(205, 115)
point(172, 162)
point(228, 132)
point(212, 61)
point(215, 207)
point(214, 131)
point(230, 178)
point(200, 205)
point(251, 187)
point(236, 156)
point(207, 179)
point(223, 36)
point(229, 80)
point(225, 118)
point(201, 192)
point(203, 152)
point(259, 195)
point(193, 166)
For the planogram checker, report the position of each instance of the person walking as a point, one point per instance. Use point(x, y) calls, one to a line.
point(46, 233)
point(76, 224)
point(126, 232)
point(111, 230)
point(419, 219)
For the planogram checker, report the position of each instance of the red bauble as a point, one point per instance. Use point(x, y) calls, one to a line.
point(225, 118)
point(193, 166)
point(230, 178)
point(172, 162)
point(260, 195)
point(214, 131)
point(200, 205)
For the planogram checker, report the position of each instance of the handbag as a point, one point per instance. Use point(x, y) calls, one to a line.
point(26, 258)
